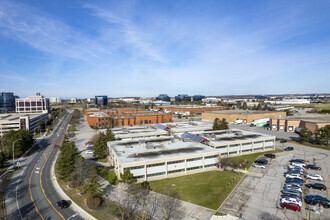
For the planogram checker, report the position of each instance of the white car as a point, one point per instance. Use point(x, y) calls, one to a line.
point(258, 165)
point(314, 177)
point(89, 151)
point(292, 175)
point(291, 200)
point(298, 164)
point(295, 167)
point(293, 184)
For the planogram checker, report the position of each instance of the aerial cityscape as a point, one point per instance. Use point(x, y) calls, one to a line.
point(143, 110)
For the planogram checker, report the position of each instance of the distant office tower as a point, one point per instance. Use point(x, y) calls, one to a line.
point(101, 100)
point(182, 97)
point(163, 97)
point(54, 100)
point(198, 97)
point(73, 101)
point(32, 104)
point(7, 102)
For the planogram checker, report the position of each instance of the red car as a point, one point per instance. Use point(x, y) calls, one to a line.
point(292, 206)
point(55, 145)
point(89, 143)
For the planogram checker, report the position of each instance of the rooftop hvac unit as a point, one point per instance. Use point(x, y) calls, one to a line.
point(239, 133)
point(185, 139)
point(149, 146)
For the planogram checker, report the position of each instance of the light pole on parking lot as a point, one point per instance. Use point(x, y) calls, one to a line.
point(14, 151)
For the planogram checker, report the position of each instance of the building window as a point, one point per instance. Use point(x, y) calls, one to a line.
point(234, 145)
point(274, 126)
point(155, 164)
point(249, 143)
point(281, 127)
point(211, 165)
point(174, 162)
point(233, 152)
point(218, 147)
point(209, 157)
point(194, 168)
point(175, 171)
point(193, 159)
point(133, 168)
point(258, 142)
point(149, 121)
point(248, 150)
point(269, 141)
point(156, 174)
point(222, 154)
point(140, 177)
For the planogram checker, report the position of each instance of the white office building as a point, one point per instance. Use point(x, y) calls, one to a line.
point(32, 104)
point(55, 100)
point(169, 156)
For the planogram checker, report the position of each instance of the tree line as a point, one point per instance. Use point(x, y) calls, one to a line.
point(220, 124)
point(321, 136)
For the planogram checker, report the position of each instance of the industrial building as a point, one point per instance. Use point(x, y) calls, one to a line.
point(191, 109)
point(16, 121)
point(244, 115)
point(161, 157)
point(124, 117)
point(32, 104)
point(291, 123)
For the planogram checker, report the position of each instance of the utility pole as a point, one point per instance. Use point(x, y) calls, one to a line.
point(14, 151)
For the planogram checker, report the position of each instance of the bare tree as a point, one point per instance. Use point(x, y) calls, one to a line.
point(81, 171)
point(169, 204)
point(127, 205)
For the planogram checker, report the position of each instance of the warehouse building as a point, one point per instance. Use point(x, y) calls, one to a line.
point(291, 123)
point(192, 109)
point(246, 116)
point(16, 121)
point(163, 157)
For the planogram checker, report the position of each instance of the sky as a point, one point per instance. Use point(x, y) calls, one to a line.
point(145, 48)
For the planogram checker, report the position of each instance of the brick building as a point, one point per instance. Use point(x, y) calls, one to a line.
point(124, 117)
point(246, 116)
point(290, 123)
point(190, 109)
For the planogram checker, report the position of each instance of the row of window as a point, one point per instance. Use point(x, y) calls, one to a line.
point(155, 164)
point(176, 171)
point(234, 145)
point(195, 168)
point(211, 165)
point(156, 174)
point(174, 162)
point(134, 168)
point(218, 147)
point(269, 141)
point(194, 159)
point(209, 157)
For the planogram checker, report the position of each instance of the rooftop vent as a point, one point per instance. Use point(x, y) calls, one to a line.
point(150, 146)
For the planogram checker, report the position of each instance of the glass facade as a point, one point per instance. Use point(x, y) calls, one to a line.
point(101, 100)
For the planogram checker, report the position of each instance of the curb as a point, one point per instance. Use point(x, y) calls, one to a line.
point(82, 213)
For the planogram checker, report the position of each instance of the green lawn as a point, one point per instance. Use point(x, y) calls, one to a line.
point(207, 189)
point(252, 157)
point(109, 175)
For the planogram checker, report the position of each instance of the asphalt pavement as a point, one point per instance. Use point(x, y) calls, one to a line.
point(30, 193)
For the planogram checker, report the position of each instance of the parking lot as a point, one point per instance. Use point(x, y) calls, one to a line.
point(257, 196)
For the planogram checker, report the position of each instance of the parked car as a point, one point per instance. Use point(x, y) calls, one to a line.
point(291, 167)
point(294, 172)
point(297, 160)
point(262, 161)
point(291, 195)
point(288, 191)
point(293, 184)
point(291, 200)
point(88, 142)
point(312, 167)
point(293, 188)
point(288, 148)
point(259, 165)
point(89, 151)
point(270, 155)
point(291, 206)
point(314, 177)
point(294, 180)
point(319, 186)
point(316, 199)
point(89, 145)
point(55, 145)
point(292, 175)
point(63, 204)
point(283, 141)
point(296, 164)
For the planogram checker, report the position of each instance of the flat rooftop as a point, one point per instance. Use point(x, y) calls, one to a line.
point(16, 116)
point(315, 118)
point(136, 131)
point(178, 127)
point(167, 147)
point(241, 112)
point(131, 153)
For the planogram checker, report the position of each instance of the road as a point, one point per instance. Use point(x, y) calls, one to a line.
point(31, 194)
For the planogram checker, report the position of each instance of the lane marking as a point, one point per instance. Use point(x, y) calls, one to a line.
point(191, 209)
point(201, 213)
point(31, 192)
point(43, 191)
point(182, 205)
point(18, 208)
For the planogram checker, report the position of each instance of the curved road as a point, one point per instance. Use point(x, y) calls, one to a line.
point(31, 194)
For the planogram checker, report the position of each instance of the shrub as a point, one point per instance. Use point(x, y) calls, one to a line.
point(94, 202)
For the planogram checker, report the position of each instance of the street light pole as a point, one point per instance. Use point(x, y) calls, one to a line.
point(14, 151)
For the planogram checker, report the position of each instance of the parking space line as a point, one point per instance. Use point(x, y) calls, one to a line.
point(201, 213)
point(191, 209)
point(183, 205)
